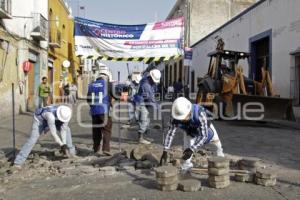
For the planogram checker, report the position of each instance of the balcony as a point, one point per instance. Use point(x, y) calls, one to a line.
point(54, 38)
point(5, 9)
point(40, 26)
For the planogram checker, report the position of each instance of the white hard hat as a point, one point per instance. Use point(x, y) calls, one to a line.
point(104, 71)
point(181, 108)
point(155, 75)
point(64, 113)
point(137, 78)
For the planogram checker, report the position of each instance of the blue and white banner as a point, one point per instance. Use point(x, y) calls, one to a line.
point(129, 42)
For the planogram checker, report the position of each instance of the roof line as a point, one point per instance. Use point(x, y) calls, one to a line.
point(230, 21)
point(174, 8)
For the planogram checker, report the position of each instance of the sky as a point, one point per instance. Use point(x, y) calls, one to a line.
point(127, 12)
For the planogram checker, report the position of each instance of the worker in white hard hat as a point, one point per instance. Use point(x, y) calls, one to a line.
point(54, 118)
point(99, 98)
point(133, 88)
point(199, 131)
point(144, 100)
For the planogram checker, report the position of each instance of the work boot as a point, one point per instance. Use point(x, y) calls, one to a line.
point(96, 148)
point(145, 136)
point(106, 153)
point(143, 140)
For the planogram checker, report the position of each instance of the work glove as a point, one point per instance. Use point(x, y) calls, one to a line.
point(164, 158)
point(187, 154)
point(64, 149)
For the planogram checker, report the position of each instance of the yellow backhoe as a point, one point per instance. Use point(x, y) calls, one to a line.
point(231, 95)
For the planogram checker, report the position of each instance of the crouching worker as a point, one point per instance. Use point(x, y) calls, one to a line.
point(54, 118)
point(199, 130)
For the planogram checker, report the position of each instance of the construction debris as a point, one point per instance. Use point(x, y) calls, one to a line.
point(190, 185)
point(138, 152)
point(167, 178)
point(218, 170)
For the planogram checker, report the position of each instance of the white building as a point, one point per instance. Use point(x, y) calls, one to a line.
point(270, 30)
point(23, 36)
point(201, 18)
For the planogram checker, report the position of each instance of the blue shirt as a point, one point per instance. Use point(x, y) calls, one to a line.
point(197, 126)
point(145, 92)
point(98, 97)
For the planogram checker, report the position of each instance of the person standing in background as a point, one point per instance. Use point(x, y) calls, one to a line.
point(73, 93)
point(61, 91)
point(133, 88)
point(43, 92)
point(99, 98)
point(145, 100)
point(66, 91)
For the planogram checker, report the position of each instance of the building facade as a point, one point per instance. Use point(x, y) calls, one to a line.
point(23, 35)
point(270, 30)
point(36, 37)
point(61, 46)
point(201, 18)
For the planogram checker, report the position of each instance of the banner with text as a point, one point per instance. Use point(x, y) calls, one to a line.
point(129, 42)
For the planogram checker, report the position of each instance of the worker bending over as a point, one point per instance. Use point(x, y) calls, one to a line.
point(199, 130)
point(54, 118)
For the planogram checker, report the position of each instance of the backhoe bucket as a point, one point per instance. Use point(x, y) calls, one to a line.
point(245, 107)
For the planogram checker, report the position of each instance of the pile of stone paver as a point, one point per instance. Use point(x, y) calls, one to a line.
point(250, 171)
point(265, 177)
point(218, 170)
point(167, 178)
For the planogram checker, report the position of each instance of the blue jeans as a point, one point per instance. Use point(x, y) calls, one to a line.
point(131, 111)
point(37, 130)
point(143, 119)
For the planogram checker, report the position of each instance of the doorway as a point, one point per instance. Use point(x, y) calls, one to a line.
point(261, 54)
point(33, 82)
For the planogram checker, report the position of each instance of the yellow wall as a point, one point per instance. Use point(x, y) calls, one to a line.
point(59, 20)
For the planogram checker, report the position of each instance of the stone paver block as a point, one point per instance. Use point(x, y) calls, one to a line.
point(167, 181)
point(218, 171)
point(168, 187)
point(250, 162)
point(219, 185)
point(221, 178)
point(218, 162)
point(138, 152)
point(265, 182)
point(190, 185)
point(166, 171)
point(249, 178)
point(266, 174)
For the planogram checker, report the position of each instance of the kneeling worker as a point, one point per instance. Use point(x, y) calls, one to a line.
point(54, 118)
point(199, 130)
